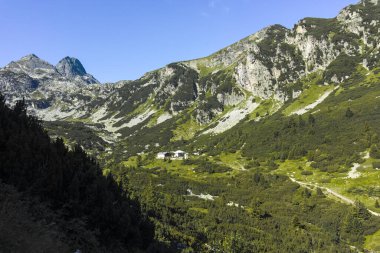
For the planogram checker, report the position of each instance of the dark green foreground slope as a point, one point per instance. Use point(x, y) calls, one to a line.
point(56, 200)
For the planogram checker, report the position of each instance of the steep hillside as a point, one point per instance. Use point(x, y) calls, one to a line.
point(263, 69)
point(252, 78)
point(64, 202)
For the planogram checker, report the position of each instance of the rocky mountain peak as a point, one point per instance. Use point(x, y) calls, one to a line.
point(29, 63)
point(30, 57)
point(270, 65)
point(70, 67)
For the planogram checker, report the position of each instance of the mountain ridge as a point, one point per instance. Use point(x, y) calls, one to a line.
point(267, 67)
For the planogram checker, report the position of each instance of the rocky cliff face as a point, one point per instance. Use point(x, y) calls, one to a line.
point(72, 68)
point(268, 65)
point(265, 62)
point(51, 93)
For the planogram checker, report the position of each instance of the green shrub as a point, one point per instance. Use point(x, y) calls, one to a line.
point(376, 165)
point(306, 173)
point(344, 65)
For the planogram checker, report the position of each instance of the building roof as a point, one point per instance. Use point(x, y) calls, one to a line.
point(179, 151)
point(163, 153)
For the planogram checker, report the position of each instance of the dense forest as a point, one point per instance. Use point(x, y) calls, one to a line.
point(55, 199)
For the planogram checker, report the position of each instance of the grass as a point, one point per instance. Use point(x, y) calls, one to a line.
point(373, 77)
point(341, 184)
point(154, 118)
point(233, 160)
point(337, 181)
point(309, 96)
point(372, 242)
point(368, 180)
point(142, 107)
point(267, 107)
point(132, 161)
point(199, 210)
point(83, 120)
point(204, 70)
point(37, 95)
point(187, 130)
point(294, 168)
point(176, 167)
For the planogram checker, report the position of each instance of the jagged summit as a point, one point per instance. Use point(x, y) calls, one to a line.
point(29, 57)
point(70, 67)
point(269, 66)
point(30, 62)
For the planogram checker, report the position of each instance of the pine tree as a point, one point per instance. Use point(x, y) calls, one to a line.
point(311, 119)
point(67, 180)
point(349, 113)
point(20, 108)
point(320, 192)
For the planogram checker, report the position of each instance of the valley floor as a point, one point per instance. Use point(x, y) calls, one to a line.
point(206, 183)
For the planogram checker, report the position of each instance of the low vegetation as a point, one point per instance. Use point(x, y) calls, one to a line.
point(243, 211)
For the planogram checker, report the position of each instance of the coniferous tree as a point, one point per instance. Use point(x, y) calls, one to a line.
point(349, 113)
point(70, 181)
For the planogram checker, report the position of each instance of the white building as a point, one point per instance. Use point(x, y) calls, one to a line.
point(164, 155)
point(179, 154)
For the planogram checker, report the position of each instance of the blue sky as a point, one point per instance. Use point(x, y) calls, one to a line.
point(123, 39)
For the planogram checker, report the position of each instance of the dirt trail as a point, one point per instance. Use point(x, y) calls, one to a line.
point(331, 192)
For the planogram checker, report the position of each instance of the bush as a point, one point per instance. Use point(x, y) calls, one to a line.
point(344, 65)
point(349, 113)
point(203, 166)
point(306, 173)
point(376, 165)
point(374, 151)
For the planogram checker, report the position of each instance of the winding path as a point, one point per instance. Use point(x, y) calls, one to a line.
point(331, 192)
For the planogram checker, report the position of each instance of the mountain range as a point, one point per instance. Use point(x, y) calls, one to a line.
point(299, 102)
point(209, 95)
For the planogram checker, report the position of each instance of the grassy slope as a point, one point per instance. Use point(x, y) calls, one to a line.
point(342, 137)
point(372, 242)
point(170, 180)
point(333, 131)
point(253, 145)
point(308, 97)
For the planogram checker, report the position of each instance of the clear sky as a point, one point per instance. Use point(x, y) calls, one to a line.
point(123, 39)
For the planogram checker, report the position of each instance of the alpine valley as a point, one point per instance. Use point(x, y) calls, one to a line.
point(281, 130)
